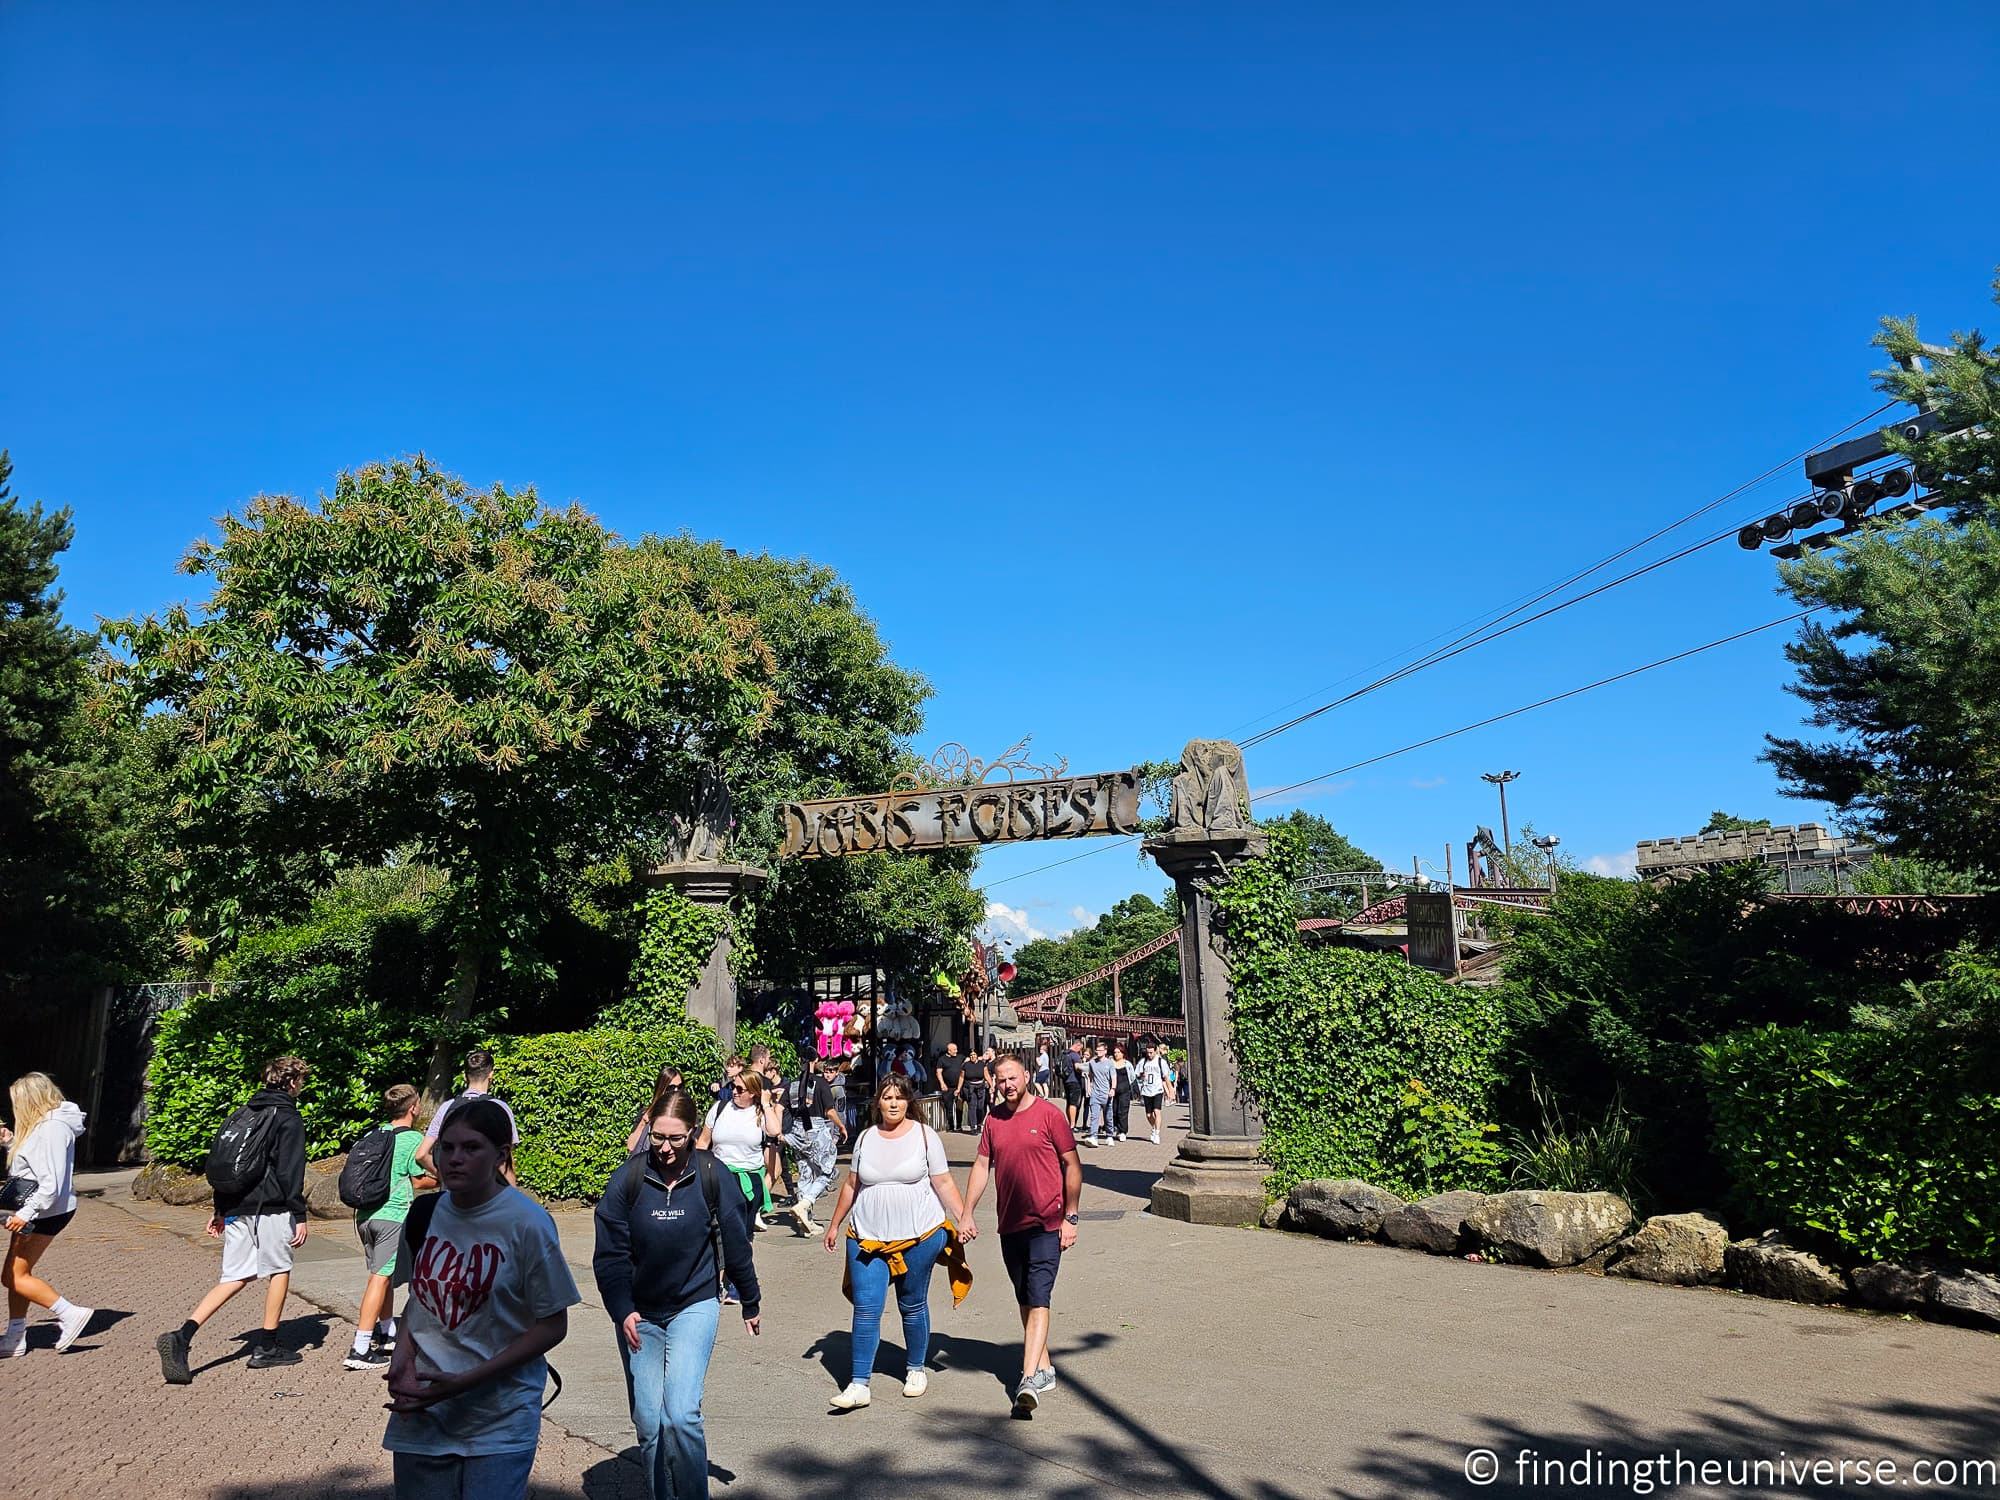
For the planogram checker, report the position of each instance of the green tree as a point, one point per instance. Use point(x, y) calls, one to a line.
point(1327, 852)
point(1907, 674)
point(75, 783)
point(1151, 987)
point(413, 666)
point(1722, 822)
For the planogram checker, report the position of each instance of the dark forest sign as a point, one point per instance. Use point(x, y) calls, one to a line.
point(1070, 807)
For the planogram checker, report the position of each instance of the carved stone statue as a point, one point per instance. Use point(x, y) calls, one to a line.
point(701, 833)
point(1210, 793)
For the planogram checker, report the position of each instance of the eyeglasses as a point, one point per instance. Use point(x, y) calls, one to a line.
point(675, 1141)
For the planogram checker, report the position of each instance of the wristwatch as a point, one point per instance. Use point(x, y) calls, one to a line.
point(1069, 1218)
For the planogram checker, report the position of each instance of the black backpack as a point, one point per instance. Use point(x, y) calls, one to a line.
point(242, 1152)
point(369, 1175)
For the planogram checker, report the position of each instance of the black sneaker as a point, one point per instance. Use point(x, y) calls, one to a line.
point(174, 1359)
point(375, 1357)
point(274, 1354)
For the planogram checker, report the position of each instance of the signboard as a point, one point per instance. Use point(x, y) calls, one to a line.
point(1071, 807)
point(1433, 925)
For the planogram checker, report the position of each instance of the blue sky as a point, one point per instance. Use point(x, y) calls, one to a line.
point(1146, 368)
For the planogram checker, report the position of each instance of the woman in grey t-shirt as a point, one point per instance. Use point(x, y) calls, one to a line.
point(490, 1295)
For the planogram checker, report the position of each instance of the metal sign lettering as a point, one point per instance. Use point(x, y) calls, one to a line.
point(1072, 807)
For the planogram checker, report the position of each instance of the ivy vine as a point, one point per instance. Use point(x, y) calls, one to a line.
point(676, 937)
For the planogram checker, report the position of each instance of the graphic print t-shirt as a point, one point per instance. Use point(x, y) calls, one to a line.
point(477, 1282)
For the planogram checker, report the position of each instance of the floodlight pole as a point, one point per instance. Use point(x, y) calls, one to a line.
point(1500, 779)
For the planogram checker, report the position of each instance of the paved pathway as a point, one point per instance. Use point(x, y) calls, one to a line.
point(1207, 1362)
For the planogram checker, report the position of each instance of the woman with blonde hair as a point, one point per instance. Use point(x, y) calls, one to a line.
point(38, 1202)
point(734, 1131)
point(907, 1216)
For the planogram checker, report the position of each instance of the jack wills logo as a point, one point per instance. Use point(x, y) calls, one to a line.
point(455, 1285)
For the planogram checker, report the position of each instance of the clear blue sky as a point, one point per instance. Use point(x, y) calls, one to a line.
point(1144, 367)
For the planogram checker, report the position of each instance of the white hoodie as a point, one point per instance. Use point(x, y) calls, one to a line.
point(46, 1156)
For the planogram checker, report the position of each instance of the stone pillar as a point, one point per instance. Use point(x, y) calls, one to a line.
point(713, 887)
point(1218, 1176)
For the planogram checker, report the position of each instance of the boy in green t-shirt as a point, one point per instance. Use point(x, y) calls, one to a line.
point(381, 1233)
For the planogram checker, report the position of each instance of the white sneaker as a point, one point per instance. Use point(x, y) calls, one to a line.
point(916, 1383)
point(1119, 1137)
point(1156, 1138)
point(13, 1348)
point(71, 1325)
point(855, 1395)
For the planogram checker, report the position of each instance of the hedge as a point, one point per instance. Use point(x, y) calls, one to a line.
point(575, 1095)
point(352, 992)
point(1884, 1144)
point(1362, 1065)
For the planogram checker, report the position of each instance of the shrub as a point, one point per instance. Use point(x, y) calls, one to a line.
point(351, 991)
point(1882, 1144)
point(1362, 1065)
point(784, 1051)
point(1576, 1158)
point(575, 1095)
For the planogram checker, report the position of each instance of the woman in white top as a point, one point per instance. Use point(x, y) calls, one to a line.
point(900, 1189)
point(734, 1132)
point(40, 1204)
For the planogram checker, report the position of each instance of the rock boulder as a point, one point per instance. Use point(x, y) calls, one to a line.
point(1677, 1249)
point(1892, 1287)
point(323, 1189)
point(1963, 1296)
point(1768, 1267)
point(1435, 1224)
point(1540, 1228)
point(1341, 1208)
point(172, 1185)
point(1275, 1214)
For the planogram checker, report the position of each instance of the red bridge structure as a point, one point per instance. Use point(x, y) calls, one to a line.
point(1045, 1007)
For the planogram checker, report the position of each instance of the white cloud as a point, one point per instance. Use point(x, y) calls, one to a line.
point(1080, 917)
point(1011, 923)
point(1425, 783)
point(1617, 866)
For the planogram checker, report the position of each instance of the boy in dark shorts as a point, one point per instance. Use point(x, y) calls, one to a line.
point(1029, 1150)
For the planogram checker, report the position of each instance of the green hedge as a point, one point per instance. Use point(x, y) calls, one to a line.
point(1884, 1144)
point(350, 991)
point(1362, 1065)
point(575, 1095)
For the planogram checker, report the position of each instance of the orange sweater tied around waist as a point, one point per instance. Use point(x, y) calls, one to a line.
point(952, 1257)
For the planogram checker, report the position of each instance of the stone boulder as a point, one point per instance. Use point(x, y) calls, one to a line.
point(1340, 1208)
point(1768, 1267)
point(323, 1189)
point(1892, 1287)
point(1435, 1224)
point(1677, 1249)
point(1275, 1214)
point(1538, 1228)
point(1963, 1296)
point(172, 1185)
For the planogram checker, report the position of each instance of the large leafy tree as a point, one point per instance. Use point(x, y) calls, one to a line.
point(414, 666)
point(842, 715)
point(74, 780)
point(1906, 671)
point(1326, 851)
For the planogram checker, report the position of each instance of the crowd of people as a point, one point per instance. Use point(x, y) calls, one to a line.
point(487, 1291)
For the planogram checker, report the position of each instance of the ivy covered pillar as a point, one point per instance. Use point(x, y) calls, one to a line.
point(713, 887)
point(1218, 1175)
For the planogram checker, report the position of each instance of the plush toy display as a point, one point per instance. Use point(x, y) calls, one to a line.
point(855, 1027)
point(899, 1022)
point(827, 1019)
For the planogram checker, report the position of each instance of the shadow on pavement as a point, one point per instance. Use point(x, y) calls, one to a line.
point(613, 1479)
point(1131, 1182)
point(949, 1351)
point(1599, 1454)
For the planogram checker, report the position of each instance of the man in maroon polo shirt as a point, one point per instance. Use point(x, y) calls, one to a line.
point(1029, 1150)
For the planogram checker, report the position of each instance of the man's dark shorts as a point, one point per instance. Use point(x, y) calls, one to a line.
point(1032, 1258)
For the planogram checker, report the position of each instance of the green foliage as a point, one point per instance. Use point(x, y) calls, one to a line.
point(1892, 875)
point(576, 1095)
point(1907, 671)
point(1150, 988)
point(76, 786)
point(1578, 1158)
point(1326, 851)
point(1881, 1144)
point(784, 1051)
point(353, 991)
point(675, 941)
point(1362, 1065)
point(1722, 822)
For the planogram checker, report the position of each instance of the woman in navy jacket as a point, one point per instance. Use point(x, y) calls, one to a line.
point(663, 1245)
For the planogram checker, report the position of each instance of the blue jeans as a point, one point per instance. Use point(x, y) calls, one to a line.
point(1099, 1118)
point(869, 1277)
point(665, 1377)
point(489, 1476)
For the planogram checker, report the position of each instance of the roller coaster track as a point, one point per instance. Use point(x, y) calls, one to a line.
point(1044, 1007)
